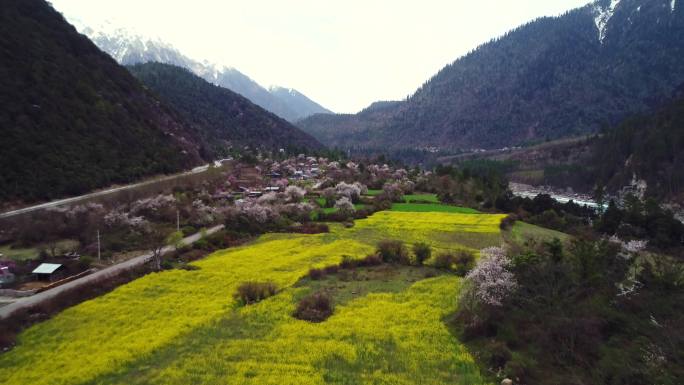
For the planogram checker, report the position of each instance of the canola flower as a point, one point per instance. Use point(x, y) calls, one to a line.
point(183, 327)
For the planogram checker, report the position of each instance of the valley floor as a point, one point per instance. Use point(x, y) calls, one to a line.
point(184, 327)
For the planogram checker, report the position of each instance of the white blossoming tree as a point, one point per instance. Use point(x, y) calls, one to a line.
point(349, 191)
point(329, 194)
point(294, 193)
point(300, 212)
point(345, 206)
point(393, 191)
point(491, 281)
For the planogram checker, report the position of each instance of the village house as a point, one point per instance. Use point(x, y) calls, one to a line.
point(49, 272)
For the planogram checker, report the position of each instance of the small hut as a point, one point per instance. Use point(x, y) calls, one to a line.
point(49, 271)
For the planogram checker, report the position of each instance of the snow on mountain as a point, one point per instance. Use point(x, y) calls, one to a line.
point(298, 101)
point(129, 47)
point(603, 15)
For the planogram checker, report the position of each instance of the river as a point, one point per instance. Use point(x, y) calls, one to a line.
point(528, 191)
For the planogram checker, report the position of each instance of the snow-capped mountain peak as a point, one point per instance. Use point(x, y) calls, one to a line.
point(278, 89)
point(129, 47)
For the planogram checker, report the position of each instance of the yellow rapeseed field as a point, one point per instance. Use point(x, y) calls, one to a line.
point(183, 327)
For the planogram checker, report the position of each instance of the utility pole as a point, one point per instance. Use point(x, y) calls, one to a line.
point(99, 256)
point(177, 220)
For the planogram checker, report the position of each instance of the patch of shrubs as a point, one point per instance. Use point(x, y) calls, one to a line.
point(185, 266)
point(340, 216)
point(444, 261)
point(316, 307)
point(310, 228)
point(508, 222)
point(220, 240)
point(202, 244)
point(371, 260)
point(420, 201)
point(461, 262)
point(337, 216)
point(363, 213)
point(192, 255)
point(252, 292)
point(317, 274)
point(243, 224)
point(84, 262)
point(381, 203)
point(393, 251)
point(499, 354)
point(347, 263)
point(422, 252)
point(465, 261)
point(188, 230)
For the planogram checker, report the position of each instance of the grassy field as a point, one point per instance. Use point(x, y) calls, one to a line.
point(521, 232)
point(431, 207)
point(184, 327)
point(431, 198)
point(19, 254)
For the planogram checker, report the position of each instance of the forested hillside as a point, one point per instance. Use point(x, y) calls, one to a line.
point(72, 119)
point(130, 48)
point(223, 117)
point(350, 130)
point(650, 147)
point(647, 147)
point(551, 78)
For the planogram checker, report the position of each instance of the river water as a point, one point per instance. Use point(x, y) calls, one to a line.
point(528, 191)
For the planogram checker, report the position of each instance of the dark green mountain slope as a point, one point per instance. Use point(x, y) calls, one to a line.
point(350, 130)
point(551, 78)
point(223, 117)
point(72, 119)
point(650, 147)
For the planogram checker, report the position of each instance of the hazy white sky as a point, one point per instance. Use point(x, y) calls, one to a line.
point(343, 54)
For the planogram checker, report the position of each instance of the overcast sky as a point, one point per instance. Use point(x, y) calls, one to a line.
point(344, 54)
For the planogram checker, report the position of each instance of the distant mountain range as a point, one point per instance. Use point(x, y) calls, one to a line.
point(130, 48)
point(551, 78)
point(222, 117)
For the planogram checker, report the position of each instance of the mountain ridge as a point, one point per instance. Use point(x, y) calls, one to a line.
point(72, 118)
point(550, 78)
point(225, 118)
point(130, 48)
